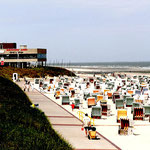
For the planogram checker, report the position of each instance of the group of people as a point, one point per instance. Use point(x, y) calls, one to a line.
point(27, 85)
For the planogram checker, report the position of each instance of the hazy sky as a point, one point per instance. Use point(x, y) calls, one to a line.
point(79, 30)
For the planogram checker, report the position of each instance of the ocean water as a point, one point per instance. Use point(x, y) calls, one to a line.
point(96, 67)
point(112, 66)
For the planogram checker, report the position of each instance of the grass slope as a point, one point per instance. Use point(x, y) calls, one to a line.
point(23, 127)
point(35, 72)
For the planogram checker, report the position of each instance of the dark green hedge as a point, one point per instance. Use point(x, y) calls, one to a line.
point(23, 127)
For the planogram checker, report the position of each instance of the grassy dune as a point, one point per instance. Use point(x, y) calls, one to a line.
point(23, 127)
point(35, 72)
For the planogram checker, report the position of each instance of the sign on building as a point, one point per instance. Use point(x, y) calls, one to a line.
point(1, 51)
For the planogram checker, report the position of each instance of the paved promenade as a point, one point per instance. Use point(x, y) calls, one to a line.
point(67, 125)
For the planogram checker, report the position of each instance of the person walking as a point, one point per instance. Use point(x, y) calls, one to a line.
point(72, 106)
point(28, 86)
point(86, 123)
point(25, 86)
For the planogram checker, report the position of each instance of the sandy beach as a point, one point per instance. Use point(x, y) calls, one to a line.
point(90, 71)
point(108, 126)
point(100, 70)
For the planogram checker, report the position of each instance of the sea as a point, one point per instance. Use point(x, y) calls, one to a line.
point(98, 67)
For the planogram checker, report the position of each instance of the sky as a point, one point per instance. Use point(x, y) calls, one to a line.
point(79, 30)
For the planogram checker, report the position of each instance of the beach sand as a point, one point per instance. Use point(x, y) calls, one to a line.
point(100, 70)
point(108, 127)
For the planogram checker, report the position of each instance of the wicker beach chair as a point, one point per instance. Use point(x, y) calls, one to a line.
point(86, 95)
point(65, 100)
point(60, 84)
point(137, 92)
point(130, 92)
point(96, 91)
point(51, 81)
point(57, 94)
point(138, 113)
point(134, 104)
point(94, 95)
point(121, 113)
point(99, 98)
point(129, 101)
point(106, 90)
point(45, 86)
point(115, 96)
point(96, 112)
point(119, 103)
point(109, 94)
point(123, 127)
point(106, 109)
point(36, 81)
point(146, 110)
point(77, 103)
point(91, 101)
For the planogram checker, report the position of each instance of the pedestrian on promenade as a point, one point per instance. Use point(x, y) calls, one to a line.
point(72, 105)
point(25, 80)
point(25, 86)
point(86, 123)
point(28, 86)
point(32, 86)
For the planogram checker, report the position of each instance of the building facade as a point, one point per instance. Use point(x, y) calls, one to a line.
point(23, 57)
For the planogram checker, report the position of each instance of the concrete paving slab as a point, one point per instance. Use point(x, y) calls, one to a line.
point(67, 121)
point(78, 139)
point(67, 125)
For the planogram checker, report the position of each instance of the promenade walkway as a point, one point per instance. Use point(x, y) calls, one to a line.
point(67, 125)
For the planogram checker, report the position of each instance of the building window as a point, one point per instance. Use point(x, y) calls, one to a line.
point(19, 56)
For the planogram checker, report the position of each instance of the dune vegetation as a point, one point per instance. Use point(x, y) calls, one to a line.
point(35, 72)
point(23, 127)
